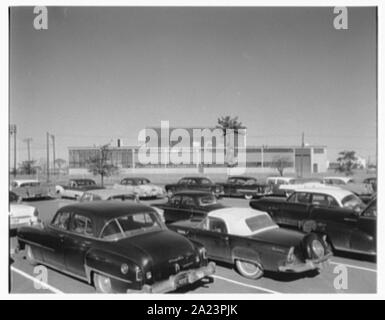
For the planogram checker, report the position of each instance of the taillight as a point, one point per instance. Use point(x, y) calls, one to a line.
point(35, 213)
point(138, 274)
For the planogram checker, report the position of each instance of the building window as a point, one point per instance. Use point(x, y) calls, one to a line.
point(319, 150)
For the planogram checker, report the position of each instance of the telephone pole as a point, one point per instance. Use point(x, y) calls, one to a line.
point(47, 157)
point(53, 151)
point(302, 151)
point(28, 141)
point(12, 131)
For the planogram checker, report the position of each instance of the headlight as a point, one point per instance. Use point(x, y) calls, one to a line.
point(203, 253)
point(124, 268)
point(148, 275)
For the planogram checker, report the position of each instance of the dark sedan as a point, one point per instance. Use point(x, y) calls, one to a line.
point(188, 204)
point(346, 226)
point(195, 183)
point(250, 240)
point(117, 247)
point(243, 186)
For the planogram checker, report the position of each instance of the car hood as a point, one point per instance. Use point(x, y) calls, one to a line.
point(161, 247)
point(280, 236)
point(19, 210)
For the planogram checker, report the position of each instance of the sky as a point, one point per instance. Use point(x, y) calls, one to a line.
point(97, 74)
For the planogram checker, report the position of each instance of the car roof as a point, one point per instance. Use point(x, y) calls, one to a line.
point(107, 210)
point(81, 179)
point(233, 214)
point(336, 192)
point(136, 178)
point(195, 177)
point(192, 193)
point(339, 178)
point(105, 193)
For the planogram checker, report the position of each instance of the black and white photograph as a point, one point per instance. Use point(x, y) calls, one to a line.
point(192, 150)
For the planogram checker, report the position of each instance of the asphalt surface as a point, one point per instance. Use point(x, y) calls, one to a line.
point(361, 274)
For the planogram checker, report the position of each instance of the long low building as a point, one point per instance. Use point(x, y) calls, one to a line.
point(256, 159)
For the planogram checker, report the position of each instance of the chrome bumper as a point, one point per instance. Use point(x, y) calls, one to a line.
point(179, 280)
point(306, 266)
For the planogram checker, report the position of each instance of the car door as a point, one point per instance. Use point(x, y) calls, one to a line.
point(77, 242)
point(294, 210)
point(364, 236)
point(52, 252)
point(212, 233)
point(171, 209)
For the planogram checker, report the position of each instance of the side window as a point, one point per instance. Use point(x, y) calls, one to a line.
point(188, 202)
point(81, 225)
point(232, 181)
point(86, 197)
point(302, 197)
point(182, 181)
point(217, 225)
point(320, 200)
point(332, 202)
point(61, 220)
point(175, 201)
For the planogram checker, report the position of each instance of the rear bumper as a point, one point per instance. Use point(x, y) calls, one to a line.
point(308, 265)
point(179, 280)
point(14, 225)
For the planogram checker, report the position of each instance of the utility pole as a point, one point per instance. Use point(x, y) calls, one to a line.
point(12, 131)
point(28, 141)
point(53, 150)
point(302, 151)
point(47, 157)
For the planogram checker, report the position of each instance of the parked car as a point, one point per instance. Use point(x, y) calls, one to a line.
point(275, 182)
point(254, 243)
point(117, 247)
point(335, 214)
point(371, 181)
point(188, 204)
point(20, 214)
point(195, 183)
point(140, 186)
point(30, 189)
point(107, 194)
point(360, 189)
point(293, 210)
point(75, 188)
point(243, 186)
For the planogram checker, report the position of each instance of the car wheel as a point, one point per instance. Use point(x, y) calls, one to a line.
point(248, 196)
point(315, 249)
point(102, 283)
point(29, 255)
point(249, 269)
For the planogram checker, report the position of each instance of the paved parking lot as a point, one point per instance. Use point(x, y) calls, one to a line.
point(361, 273)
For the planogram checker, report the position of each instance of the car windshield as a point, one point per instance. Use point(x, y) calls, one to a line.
point(131, 225)
point(351, 201)
point(259, 222)
point(207, 200)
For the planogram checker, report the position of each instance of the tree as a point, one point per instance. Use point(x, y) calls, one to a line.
point(60, 163)
point(347, 161)
point(28, 167)
point(227, 123)
point(100, 163)
point(281, 163)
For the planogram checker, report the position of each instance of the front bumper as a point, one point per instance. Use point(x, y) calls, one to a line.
point(308, 265)
point(25, 222)
point(179, 280)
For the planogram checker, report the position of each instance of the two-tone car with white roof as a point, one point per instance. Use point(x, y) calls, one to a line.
point(20, 214)
point(252, 242)
point(30, 189)
point(361, 189)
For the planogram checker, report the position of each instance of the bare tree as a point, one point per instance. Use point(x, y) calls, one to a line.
point(281, 163)
point(100, 163)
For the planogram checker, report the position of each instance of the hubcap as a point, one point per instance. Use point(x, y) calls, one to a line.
point(104, 284)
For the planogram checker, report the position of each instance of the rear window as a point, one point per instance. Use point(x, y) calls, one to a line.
point(351, 201)
point(259, 222)
point(207, 200)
